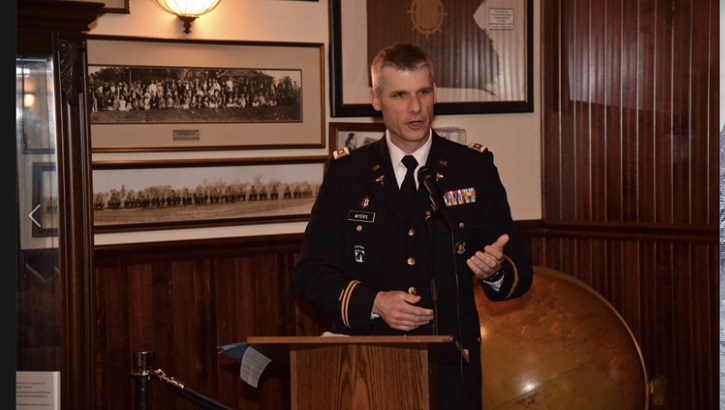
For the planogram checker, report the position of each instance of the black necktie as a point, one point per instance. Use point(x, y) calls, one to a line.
point(407, 189)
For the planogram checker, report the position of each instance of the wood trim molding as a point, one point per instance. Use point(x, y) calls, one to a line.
point(195, 248)
point(633, 231)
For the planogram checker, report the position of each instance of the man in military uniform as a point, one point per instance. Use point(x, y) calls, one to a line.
point(380, 266)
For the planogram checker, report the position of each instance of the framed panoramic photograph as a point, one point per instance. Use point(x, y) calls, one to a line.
point(170, 194)
point(482, 51)
point(180, 95)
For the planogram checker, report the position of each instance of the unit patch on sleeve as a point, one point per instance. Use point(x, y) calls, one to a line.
point(360, 254)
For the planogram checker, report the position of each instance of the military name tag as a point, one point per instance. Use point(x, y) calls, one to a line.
point(361, 216)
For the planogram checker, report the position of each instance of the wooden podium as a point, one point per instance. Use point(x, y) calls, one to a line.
point(361, 372)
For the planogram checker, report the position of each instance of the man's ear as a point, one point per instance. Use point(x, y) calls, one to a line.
point(374, 100)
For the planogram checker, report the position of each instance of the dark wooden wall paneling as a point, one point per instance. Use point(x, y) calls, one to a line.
point(630, 169)
point(181, 301)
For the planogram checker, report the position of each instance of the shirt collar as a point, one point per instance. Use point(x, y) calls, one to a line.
point(396, 154)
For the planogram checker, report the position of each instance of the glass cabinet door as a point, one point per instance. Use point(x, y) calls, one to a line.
point(54, 233)
point(38, 269)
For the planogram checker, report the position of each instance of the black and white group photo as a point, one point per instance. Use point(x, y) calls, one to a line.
point(130, 94)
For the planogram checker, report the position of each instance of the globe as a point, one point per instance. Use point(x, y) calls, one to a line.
point(560, 346)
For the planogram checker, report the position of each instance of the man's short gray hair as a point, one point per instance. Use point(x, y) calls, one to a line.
point(401, 56)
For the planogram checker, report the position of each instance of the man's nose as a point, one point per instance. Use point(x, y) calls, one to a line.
point(414, 105)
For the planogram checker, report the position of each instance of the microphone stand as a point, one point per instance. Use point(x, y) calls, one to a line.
point(431, 227)
point(430, 224)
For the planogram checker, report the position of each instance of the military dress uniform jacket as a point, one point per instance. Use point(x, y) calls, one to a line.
point(361, 239)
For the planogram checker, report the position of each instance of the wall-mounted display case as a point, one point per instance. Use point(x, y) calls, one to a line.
point(54, 230)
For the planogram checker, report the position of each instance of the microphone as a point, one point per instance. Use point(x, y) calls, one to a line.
point(426, 177)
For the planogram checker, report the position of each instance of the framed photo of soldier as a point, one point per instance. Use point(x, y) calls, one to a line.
point(353, 135)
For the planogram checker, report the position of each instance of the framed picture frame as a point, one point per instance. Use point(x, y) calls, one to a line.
point(356, 134)
point(353, 134)
point(489, 68)
point(170, 194)
point(45, 200)
point(113, 6)
point(180, 95)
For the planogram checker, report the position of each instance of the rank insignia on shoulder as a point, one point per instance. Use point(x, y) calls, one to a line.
point(342, 152)
point(476, 147)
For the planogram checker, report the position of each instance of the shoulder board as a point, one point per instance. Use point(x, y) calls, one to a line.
point(342, 152)
point(477, 147)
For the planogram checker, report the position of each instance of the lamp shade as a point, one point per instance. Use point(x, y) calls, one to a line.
point(188, 8)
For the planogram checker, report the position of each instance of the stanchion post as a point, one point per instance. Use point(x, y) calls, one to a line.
point(143, 370)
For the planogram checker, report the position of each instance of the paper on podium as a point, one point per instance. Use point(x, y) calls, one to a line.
point(253, 363)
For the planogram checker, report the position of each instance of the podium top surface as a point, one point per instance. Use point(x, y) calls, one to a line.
point(314, 340)
point(445, 347)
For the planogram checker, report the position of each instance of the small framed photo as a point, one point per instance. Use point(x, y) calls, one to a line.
point(353, 134)
point(170, 194)
point(454, 134)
